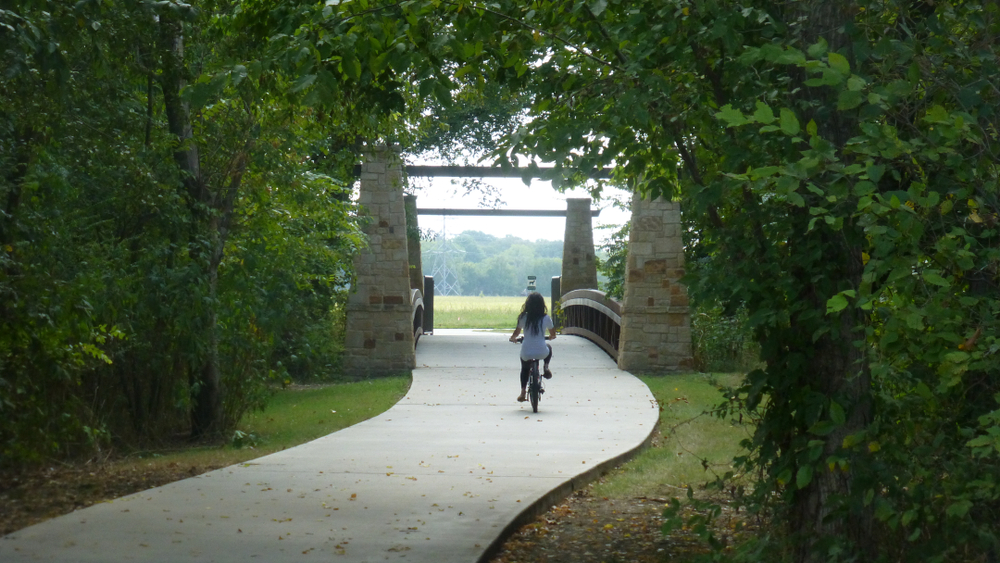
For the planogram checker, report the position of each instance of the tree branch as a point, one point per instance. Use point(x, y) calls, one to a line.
point(607, 36)
point(692, 166)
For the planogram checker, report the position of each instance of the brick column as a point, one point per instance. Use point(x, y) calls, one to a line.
point(656, 321)
point(579, 268)
point(379, 336)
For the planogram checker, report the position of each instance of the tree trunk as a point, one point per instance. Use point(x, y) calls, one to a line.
point(206, 412)
point(14, 179)
point(838, 369)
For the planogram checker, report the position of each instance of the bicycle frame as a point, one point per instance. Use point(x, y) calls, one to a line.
point(535, 388)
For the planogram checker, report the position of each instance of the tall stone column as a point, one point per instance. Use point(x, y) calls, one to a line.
point(379, 339)
point(656, 320)
point(579, 267)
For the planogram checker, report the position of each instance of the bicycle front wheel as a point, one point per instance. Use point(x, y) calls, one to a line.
point(534, 388)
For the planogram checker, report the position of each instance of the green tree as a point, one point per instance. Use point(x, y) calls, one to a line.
point(802, 139)
point(169, 221)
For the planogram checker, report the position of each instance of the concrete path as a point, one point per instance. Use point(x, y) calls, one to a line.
point(443, 476)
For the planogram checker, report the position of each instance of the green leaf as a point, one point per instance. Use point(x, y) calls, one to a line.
point(817, 49)
point(598, 6)
point(956, 357)
point(937, 114)
point(443, 94)
point(837, 414)
point(822, 428)
point(836, 304)
point(804, 476)
point(883, 510)
point(875, 172)
point(427, 87)
point(864, 188)
point(790, 56)
point(851, 439)
point(763, 172)
point(849, 99)
point(352, 67)
point(934, 278)
point(733, 117)
point(302, 82)
point(237, 74)
point(789, 122)
point(839, 63)
point(764, 114)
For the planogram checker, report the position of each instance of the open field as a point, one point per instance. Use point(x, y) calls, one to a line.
point(477, 312)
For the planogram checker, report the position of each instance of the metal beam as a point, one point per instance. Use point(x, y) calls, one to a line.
point(487, 172)
point(501, 212)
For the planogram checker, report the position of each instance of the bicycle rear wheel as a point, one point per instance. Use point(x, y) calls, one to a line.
point(534, 387)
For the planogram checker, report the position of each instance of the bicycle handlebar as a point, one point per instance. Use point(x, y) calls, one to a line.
point(520, 339)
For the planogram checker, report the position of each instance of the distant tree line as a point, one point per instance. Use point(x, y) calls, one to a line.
point(487, 265)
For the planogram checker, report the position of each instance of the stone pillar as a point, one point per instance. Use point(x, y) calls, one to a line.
point(379, 335)
point(656, 321)
point(413, 243)
point(579, 267)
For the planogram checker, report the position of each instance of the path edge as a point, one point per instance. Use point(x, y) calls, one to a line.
point(562, 491)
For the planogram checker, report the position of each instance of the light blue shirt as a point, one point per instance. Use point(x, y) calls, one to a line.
point(534, 347)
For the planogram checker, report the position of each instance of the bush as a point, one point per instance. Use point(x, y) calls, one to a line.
point(722, 342)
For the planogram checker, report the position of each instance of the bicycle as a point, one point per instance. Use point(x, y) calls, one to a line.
point(535, 387)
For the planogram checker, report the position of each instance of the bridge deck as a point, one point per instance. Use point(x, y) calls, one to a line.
point(440, 477)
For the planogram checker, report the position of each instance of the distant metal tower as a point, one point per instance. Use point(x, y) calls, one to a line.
point(445, 279)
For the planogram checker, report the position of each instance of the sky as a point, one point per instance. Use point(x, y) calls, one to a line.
point(446, 193)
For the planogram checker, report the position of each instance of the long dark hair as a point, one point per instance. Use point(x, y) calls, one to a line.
point(533, 310)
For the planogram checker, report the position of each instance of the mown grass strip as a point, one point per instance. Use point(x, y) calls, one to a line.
point(293, 416)
point(687, 437)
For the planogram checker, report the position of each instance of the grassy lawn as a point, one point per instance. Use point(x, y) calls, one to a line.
point(293, 416)
point(687, 438)
point(477, 312)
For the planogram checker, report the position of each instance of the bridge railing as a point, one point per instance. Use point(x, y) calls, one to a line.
point(428, 304)
point(593, 315)
point(422, 304)
point(417, 305)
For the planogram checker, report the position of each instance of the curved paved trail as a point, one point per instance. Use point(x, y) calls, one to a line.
point(440, 477)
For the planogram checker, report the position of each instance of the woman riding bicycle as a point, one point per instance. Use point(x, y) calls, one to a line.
point(534, 320)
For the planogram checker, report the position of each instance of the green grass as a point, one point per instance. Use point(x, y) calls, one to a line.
point(477, 312)
point(293, 416)
point(686, 438)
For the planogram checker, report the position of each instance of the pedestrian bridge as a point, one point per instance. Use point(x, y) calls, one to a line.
point(391, 306)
